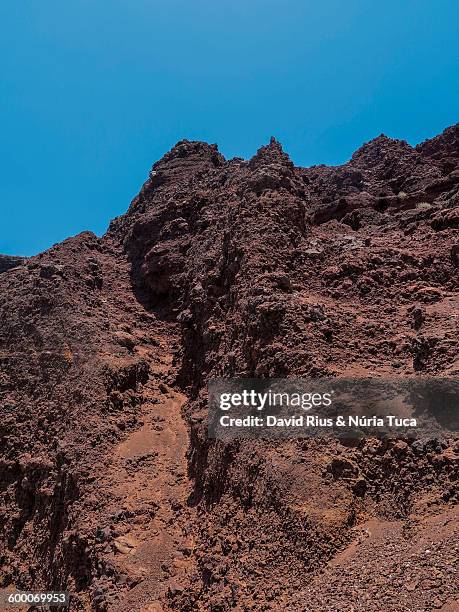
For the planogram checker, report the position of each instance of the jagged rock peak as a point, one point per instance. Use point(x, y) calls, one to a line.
point(192, 150)
point(445, 145)
point(270, 153)
point(380, 149)
point(186, 158)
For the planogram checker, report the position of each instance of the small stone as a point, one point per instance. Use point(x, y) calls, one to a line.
point(400, 447)
point(418, 317)
point(163, 388)
point(411, 586)
point(122, 548)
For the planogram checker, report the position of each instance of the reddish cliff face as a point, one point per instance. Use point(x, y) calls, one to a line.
point(109, 486)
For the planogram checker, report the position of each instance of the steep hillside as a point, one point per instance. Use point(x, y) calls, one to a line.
point(111, 489)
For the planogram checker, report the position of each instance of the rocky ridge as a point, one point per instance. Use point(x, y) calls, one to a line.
point(234, 268)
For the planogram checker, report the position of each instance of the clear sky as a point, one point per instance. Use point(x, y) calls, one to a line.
point(92, 92)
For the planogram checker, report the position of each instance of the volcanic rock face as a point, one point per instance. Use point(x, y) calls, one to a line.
point(110, 488)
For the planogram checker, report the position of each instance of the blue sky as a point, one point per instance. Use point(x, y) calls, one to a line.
point(92, 92)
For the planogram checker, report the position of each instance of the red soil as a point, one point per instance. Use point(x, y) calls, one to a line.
point(110, 488)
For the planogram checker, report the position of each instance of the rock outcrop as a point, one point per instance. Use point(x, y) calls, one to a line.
point(110, 488)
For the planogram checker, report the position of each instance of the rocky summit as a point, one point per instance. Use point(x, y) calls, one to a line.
point(111, 489)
